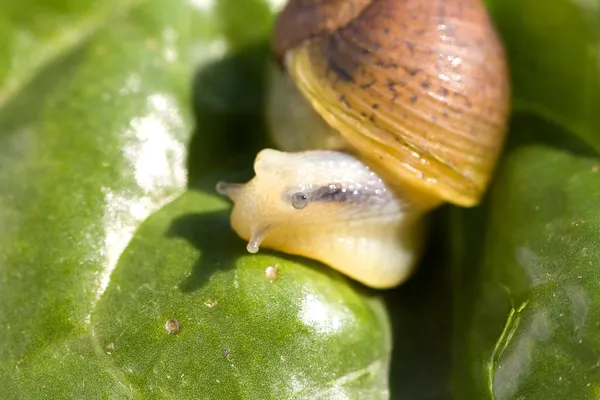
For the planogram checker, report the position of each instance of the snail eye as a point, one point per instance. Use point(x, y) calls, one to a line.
point(299, 200)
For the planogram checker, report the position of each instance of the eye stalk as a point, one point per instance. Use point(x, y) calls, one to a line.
point(230, 190)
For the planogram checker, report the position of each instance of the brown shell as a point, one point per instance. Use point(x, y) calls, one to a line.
point(420, 89)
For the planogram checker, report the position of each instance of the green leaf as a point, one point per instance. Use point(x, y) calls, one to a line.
point(33, 33)
point(524, 282)
point(78, 177)
point(534, 330)
point(553, 53)
point(109, 111)
point(242, 335)
point(112, 115)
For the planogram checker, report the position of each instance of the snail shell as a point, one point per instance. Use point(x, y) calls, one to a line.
point(413, 97)
point(419, 89)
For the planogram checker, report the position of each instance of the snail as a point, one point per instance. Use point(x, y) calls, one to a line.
point(411, 99)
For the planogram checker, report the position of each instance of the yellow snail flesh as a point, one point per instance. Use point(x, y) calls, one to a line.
point(328, 205)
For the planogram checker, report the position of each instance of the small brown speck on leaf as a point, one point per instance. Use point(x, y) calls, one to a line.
point(110, 347)
point(172, 326)
point(283, 357)
point(272, 272)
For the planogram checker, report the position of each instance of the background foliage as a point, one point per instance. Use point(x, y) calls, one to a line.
point(116, 119)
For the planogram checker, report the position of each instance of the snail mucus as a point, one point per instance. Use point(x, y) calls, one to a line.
point(410, 102)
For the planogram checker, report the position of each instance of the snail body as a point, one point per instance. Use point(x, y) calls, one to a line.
point(413, 95)
point(328, 206)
